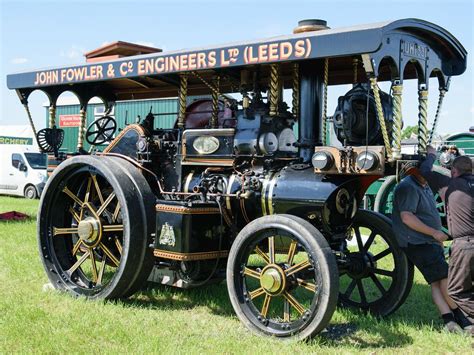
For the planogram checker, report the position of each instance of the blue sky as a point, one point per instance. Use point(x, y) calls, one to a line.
point(38, 34)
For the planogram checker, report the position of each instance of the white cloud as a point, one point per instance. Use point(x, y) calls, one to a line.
point(19, 60)
point(73, 52)
point(472, 109)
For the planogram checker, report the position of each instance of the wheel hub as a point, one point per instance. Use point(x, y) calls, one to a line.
point(359, 265)
point(89, 231)
point(273, 279)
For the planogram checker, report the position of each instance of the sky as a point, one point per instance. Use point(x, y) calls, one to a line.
point(44, 34)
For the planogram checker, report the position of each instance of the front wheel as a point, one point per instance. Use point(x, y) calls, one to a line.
point(282, 277)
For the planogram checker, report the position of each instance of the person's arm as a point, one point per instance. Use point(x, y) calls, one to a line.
point(414, 223)
point(437, 181)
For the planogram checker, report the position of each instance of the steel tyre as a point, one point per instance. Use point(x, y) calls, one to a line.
point(282, 277)
point(91, 229)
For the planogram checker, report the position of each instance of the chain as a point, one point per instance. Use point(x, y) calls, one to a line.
point(296, 91)
point(274, 88)
point(397, 121)
point(442, 92)
point(215, 104)
point(325, 102)
point(380, 115)
point(422, 120)
point(30, 118)
point(183, 93)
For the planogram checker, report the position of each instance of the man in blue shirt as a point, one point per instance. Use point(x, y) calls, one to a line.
point(417, 226)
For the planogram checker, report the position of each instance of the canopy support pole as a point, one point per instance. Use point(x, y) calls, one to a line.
point(183, 93)
point(422, 119)
point(296, 91)
point(82, 128)
point(397, 90)
point(52, 115)
point(274, 88)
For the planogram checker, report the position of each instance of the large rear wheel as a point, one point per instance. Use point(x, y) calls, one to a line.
point(93, 232)
point(376, 275)
point(282, 277)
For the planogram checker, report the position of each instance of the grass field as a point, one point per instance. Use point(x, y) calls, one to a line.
point(165, 320)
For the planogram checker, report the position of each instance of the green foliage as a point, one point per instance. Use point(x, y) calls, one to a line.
point(167, 320)
point(408, 131)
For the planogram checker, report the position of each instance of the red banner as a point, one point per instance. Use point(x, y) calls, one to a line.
point(69, 120)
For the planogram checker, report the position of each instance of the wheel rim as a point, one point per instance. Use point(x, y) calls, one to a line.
point(85, 231)
point(370, 275)
point(30, 193)
point(279, 281)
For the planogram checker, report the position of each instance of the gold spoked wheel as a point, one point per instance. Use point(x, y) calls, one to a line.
point(284, 277)
point(96, 229)
point(88, 212)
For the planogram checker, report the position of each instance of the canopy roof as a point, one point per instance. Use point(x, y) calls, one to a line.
point(391, 45)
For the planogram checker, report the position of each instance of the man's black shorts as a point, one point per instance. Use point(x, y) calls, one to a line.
point(429, 259)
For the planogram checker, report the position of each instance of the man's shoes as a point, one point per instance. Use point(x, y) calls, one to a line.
point(453, 327)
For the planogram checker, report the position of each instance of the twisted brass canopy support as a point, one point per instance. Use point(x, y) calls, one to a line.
point(52, 115)
point(274, 89)
point(380, 115)
point(422, 120)
point(397, 90)
point(183, 93)
point(82, 128)
point(296, 91)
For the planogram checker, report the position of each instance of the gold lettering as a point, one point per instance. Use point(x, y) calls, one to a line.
point(174, 64)
point(224, 62)
point(159, 65)
point(262, 53)
point(211, 58)
point(201, 60)
point(141, 67)
point(123, 68)
point(148, 66)
point(251, 58)
point(299, 48)
point(273, 51)
point(183, 62)
point(192, 61)
point(70, 75)
point(100, 75)
point(285, 50)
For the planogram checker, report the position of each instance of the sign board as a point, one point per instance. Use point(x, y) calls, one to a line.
point(70, 120)
point(16, 140)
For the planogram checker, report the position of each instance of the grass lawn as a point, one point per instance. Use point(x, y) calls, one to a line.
point(162, 319)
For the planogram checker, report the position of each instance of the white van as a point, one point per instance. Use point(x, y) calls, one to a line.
point(22, 169)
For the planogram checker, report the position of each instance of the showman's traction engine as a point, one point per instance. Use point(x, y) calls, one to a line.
point(243, 187)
